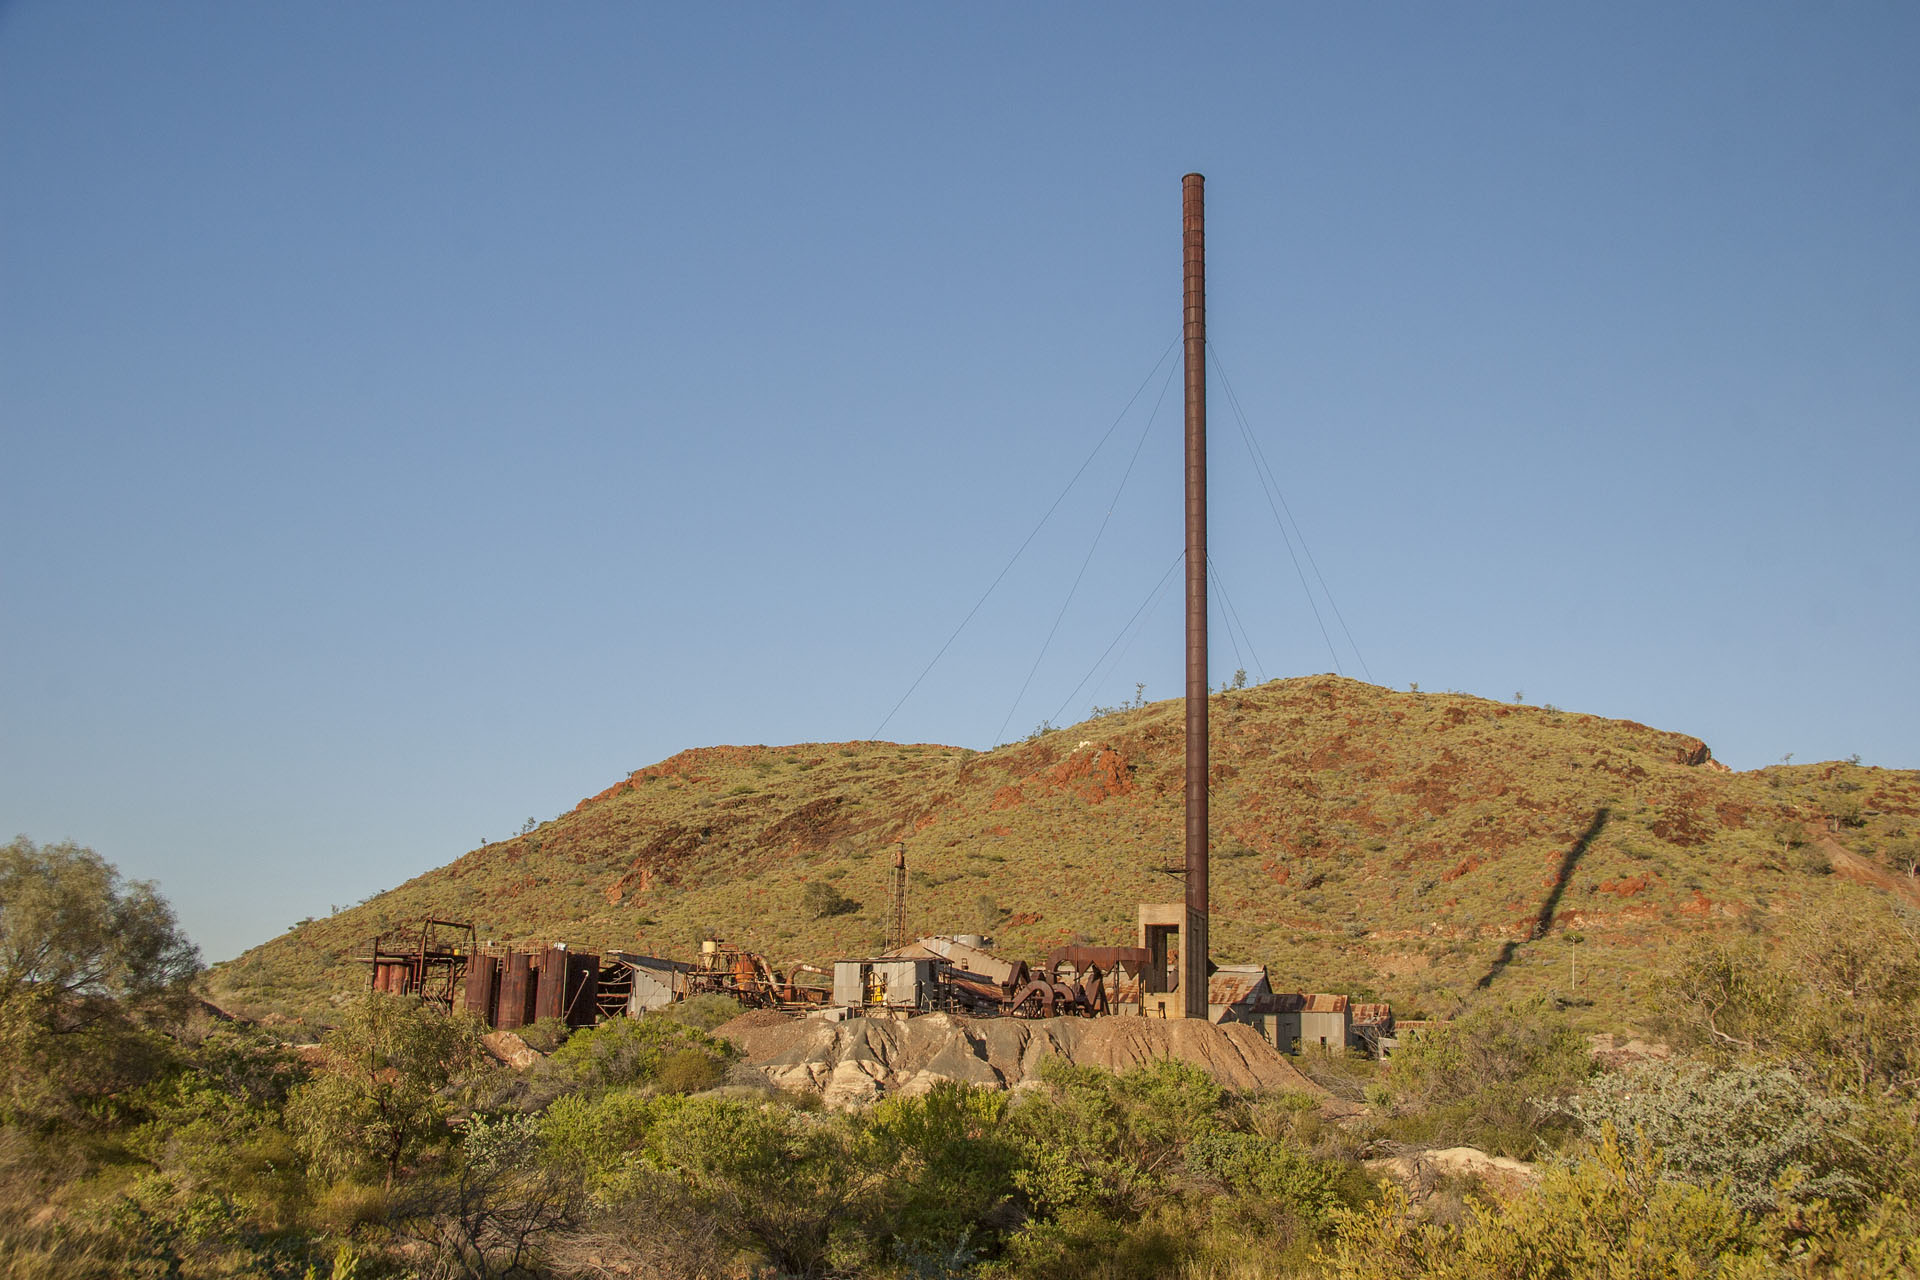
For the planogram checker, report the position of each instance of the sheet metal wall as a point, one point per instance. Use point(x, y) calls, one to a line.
point(516, 992)
point(550, 988)
point(483, 988)
point(583, 986)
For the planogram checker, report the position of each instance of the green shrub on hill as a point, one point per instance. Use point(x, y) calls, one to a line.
point(1608, 1214)
point(1838, 994)
point(821, 900)
point(647, 1050)
point(378, 1105)
point(774, 1180)
point(952, 1165)
point(703, 1012)
point(1248, 1164)
point(1756, 1133)
point(602, 1136)
point(1491, 1079)
point(1091, 1138)
point(545, 1034)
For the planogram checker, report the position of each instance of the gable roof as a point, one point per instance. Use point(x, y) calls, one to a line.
point(1236, 983)
point(653, 964)
point(1372, 1014)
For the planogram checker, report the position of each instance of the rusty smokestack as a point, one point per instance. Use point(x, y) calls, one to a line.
point(1193, 937)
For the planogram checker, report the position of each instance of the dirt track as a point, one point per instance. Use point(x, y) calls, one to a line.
point(1849, 865)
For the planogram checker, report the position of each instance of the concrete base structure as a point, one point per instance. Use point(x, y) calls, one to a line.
point(1175, 939)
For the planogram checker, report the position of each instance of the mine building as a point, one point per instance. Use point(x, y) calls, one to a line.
point(651, 983)
point(908, 985)
point(1369, 1022)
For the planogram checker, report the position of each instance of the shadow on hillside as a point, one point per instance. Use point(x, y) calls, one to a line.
point(1551, 903)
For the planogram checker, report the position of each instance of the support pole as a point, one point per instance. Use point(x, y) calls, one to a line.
point(1193, 938)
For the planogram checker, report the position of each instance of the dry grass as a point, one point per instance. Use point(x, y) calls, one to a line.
point(1421, 847)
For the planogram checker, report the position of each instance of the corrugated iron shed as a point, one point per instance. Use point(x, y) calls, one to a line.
point(964, 956)
point(1236, 984)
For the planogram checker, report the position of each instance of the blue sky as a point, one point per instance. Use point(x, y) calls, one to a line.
point(412, 418)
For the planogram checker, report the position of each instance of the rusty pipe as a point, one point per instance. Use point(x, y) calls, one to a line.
point(1193, 935)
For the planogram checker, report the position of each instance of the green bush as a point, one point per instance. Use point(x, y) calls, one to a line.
point(688, 1070)
point(1845, 811)
point(819, 900)
point(545, 1034)
point(217, 1125)
point(950, 1167)
point(781, 1183)
point(629, 1051)
point(1838, 995)
point(1610, 1214)
point(1743, 1129)
point(1114, 1142)
point(1084, 1243)
point(377, 1104)
point(1251, 1165)
point(1483, 1078)
point(601, 1136)
point(702, 1012)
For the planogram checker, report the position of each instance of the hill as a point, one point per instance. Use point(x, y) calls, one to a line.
point(1418, 847)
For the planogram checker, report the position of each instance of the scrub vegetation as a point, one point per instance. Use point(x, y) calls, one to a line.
point(143, 1136)
point(1425, 848)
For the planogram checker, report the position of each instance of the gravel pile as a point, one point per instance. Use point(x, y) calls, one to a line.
point(853, 1062)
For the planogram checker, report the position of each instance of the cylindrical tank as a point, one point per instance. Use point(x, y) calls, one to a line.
point(515, 992)
point(483, 987)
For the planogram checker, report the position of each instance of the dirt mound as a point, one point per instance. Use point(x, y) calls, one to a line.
point(1423, 1172)
point(860, 1059)
point(752, 1020)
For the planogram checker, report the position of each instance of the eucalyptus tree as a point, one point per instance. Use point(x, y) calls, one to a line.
point(89, 962)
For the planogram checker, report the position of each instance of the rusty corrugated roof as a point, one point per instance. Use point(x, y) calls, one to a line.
point(655, 963)
point(1371, 1014)
point(1236, 984)
point(1296, 1002)
point(961, 956)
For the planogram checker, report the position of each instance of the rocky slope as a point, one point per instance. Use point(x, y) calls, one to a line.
point(858, 1060)
point(1417, 846)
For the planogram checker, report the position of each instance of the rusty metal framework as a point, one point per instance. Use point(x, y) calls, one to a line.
point(897, 921)
point(1056, 997)
point(427, 960)
point(748, 977)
